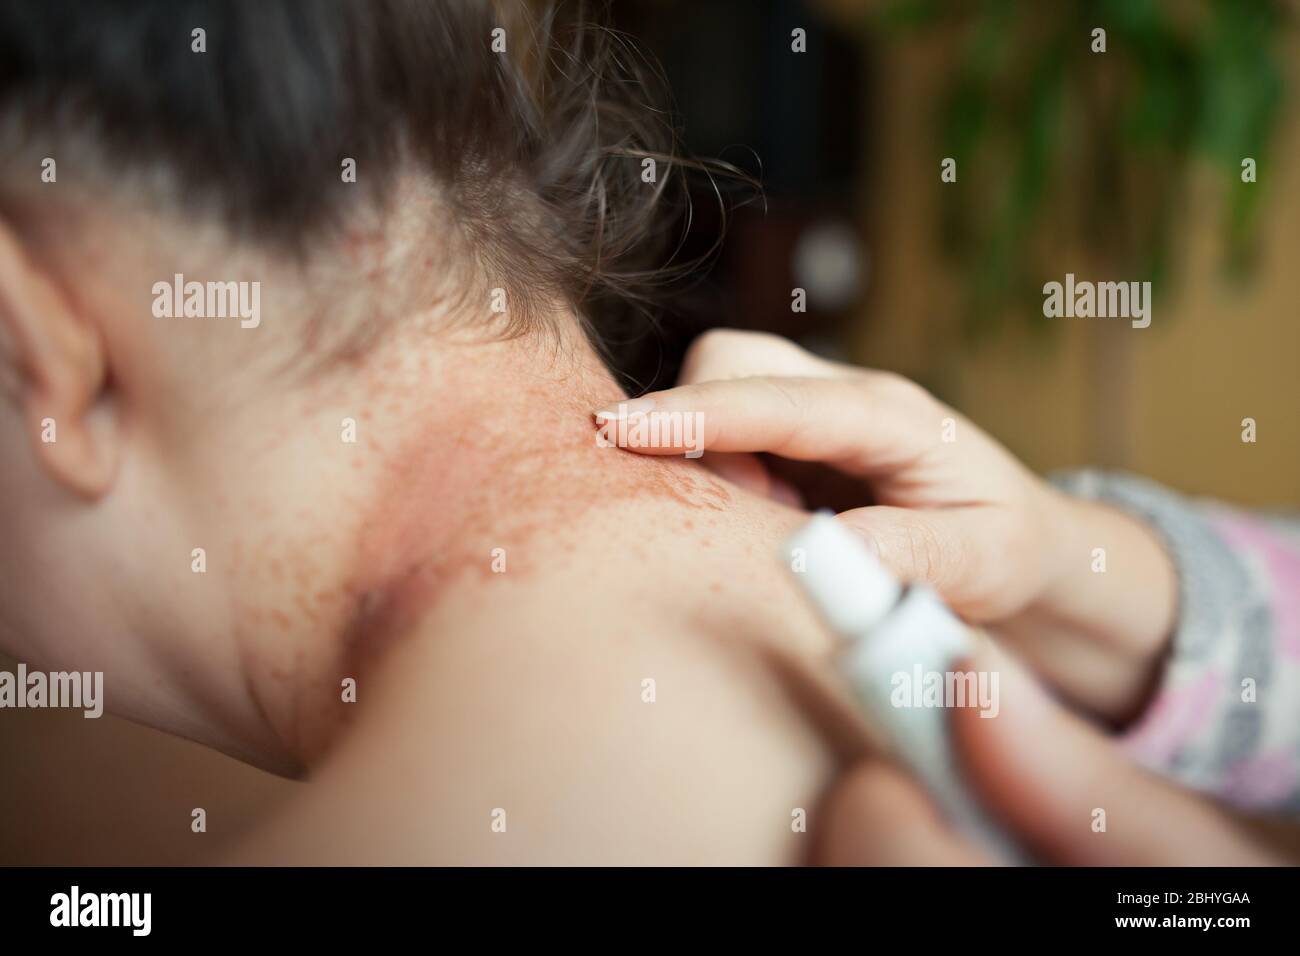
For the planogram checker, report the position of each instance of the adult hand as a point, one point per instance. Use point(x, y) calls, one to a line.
point(951, 507)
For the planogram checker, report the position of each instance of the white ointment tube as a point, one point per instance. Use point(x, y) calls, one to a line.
point(889, 631)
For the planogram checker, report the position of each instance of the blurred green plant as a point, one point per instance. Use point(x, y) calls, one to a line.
point(1095, 147)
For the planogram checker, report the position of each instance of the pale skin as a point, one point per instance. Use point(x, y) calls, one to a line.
point(522, 691)
point(477, 692)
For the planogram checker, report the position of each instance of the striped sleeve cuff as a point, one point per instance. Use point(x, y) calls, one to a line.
point(1225, 718)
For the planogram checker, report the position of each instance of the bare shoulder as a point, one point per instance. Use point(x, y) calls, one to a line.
point(554, 730)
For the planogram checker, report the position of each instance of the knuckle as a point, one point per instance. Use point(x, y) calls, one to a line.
point(714, 341)
point(734, 353)
point(901, 388)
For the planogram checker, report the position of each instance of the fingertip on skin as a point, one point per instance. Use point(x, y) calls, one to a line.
point(664, 400)
point(624, 408)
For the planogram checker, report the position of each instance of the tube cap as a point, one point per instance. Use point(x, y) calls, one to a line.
point(841, 576)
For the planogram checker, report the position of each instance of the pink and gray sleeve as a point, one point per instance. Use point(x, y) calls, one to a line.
point(1225, 718)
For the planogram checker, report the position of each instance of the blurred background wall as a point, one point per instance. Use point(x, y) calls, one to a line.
point(1224, 341)
point(1123, 165)
point(107, 792)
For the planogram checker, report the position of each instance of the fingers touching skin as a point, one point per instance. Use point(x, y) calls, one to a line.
point(867, 424)
point(955, 509)
point(943, 501)
point(949, 506)
point(763, 393)
point(725, 354)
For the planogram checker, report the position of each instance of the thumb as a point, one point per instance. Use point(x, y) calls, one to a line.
point(1072, 795)
point(916, 546)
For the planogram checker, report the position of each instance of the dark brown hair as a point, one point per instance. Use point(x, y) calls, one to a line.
point(540, 149)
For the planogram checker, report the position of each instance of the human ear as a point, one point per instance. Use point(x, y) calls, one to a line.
point(61, 369)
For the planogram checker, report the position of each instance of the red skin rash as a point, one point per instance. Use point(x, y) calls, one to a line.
point(453, 459)
point(445, 498)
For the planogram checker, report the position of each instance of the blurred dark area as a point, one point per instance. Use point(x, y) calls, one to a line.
point(1106, 138)
point(795, 123)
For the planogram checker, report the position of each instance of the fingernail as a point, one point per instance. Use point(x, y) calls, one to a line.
point(625, 409)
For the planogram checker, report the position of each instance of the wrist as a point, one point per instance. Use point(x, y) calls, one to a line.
point(1112, 577)
point(1105, 608)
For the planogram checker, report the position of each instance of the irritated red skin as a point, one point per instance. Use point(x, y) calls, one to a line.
point(489, 458)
